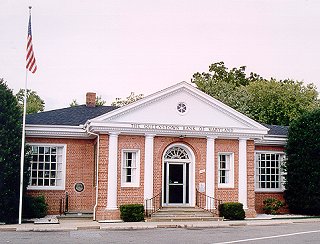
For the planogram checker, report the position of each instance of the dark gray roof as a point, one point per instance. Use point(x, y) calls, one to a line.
point(77, 115)
point(277, 130)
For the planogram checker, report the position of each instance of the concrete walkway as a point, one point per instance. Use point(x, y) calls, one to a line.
point(72, 225)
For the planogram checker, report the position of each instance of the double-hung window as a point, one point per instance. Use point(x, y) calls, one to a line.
point(130, 172)
point(225, 170)
point(48, 164)
point(268, 171)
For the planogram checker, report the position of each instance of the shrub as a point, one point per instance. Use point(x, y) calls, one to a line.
point(34, 207)
point(232, 211)
point(132, 212)
point(272, 205)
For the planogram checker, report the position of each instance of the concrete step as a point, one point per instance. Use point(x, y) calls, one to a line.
point(181, 219)
point(171, 214)
point(76, 215)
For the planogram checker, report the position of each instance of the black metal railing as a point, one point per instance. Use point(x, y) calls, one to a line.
point(206, 202)
point(153, 204)
point(64, 204)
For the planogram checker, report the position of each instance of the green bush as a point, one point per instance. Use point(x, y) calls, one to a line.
point(132, 212)
point(272, 205)
point(232, 211)
point(34, 207)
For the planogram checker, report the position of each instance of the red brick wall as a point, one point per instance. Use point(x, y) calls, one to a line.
point(261, 196)
point(128, 195)
point(227, 194)
point(197, 145)
point(79, 168)
point(269, 148)
point(250, 180)
point(103, 178)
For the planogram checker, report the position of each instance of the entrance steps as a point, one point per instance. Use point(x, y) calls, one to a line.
point(73, 215)
point(171, 214)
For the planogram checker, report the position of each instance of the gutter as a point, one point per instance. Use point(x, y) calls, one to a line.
point(97, 172)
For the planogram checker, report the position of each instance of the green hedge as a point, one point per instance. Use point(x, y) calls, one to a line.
point(34, 207)
point(232, 211)
point(132, 212)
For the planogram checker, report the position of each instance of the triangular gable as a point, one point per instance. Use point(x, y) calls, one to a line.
point(159, 110)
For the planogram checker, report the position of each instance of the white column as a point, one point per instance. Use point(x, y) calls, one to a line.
point(148, 167)
point(112, 172)
point(210, 173)
point(243, 197)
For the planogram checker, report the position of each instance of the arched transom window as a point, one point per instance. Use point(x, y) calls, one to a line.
point(176, 153)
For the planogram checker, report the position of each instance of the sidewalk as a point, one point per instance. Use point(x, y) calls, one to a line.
point(72, 225)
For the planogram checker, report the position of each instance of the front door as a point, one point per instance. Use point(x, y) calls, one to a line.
point(176, 184)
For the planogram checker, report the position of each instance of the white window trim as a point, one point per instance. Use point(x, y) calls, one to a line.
point(230, 184)
point(64, 163)
point(136, 182)
point(257, 189)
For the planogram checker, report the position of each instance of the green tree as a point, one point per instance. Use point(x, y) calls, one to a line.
point(278, 102)
point(303, 165)
point(34, 103)
point(74, 103)
point(267, 101)
point(99, 101)
point(10, 149)
point(119, 102)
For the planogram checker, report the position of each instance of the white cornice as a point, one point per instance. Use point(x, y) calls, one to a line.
point(56, 131)
point(272, 140)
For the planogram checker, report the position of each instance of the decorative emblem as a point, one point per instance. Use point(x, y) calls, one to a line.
point(79, 187)
point(182, 108)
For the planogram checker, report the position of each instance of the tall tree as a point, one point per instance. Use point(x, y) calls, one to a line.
point(34, 103)
point(267, 101)
point(119, 102)
point(10, 141)
point(303, 165)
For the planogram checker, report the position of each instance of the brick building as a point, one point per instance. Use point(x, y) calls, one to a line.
point(175, 144)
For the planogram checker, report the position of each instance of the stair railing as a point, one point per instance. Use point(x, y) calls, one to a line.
point(64, 204)
point(207, 203)
point(153, 204)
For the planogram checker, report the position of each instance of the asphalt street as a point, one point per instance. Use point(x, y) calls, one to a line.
point(284, 233)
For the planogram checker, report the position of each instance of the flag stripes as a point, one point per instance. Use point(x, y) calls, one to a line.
point(31, 60)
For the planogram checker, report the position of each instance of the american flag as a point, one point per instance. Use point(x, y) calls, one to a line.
point(31, 60)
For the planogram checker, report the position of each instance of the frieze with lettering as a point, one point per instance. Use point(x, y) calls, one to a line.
point(182, 128)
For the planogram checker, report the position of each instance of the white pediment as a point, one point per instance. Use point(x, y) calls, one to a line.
point(160, 110)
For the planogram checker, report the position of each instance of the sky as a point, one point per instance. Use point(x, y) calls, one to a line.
point(115, 47)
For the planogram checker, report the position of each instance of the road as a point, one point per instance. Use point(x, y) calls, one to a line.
point(290, 233)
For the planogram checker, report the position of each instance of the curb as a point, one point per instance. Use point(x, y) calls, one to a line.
point(147, 225)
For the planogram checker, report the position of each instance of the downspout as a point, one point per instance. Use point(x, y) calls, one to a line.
point(97, 172)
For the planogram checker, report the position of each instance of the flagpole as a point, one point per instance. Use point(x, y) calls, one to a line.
point(23, 140)
point(22, 147)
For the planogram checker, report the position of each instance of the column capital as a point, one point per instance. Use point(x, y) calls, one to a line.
point(243, 138)
point(147, 135)
point(114, 133)
point(212, 137)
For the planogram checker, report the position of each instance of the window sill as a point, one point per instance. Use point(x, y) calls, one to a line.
point(269, 190)
point(226, 186)
point(44, 188)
